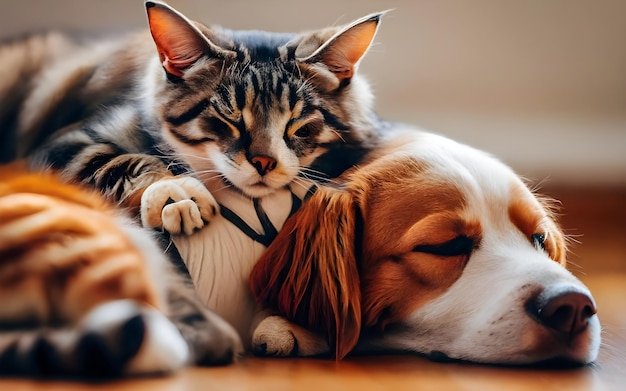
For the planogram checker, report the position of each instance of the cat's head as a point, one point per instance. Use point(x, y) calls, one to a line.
point(257, 108)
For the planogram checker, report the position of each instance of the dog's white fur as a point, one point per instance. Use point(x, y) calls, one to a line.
point(480, 315)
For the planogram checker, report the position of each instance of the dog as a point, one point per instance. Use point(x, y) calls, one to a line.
point(432, 247)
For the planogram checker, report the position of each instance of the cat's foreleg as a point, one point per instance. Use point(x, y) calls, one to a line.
point(211, 340)
point(139, 182)
point(177, 205)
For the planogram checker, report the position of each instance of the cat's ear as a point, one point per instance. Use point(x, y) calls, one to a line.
point(342, 52)
point(179, 42)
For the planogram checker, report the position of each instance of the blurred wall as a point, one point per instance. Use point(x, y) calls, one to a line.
point(539, 83)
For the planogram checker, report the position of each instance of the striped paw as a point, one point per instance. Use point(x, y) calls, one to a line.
point(126, 338)
point(119, 338)
point(177, 205)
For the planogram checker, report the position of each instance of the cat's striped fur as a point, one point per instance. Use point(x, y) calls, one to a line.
point(251, 111)
point(251, 108)
point(85, 291)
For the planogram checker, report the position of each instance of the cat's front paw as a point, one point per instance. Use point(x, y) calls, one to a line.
point(278, 337)
point(177, 205)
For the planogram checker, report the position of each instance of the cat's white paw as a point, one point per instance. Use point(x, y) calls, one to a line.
point(276, 336)
point(177, 205)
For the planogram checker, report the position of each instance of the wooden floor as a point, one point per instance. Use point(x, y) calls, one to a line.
point(596, 218)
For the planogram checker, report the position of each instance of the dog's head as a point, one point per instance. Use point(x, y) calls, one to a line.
point(436, 248)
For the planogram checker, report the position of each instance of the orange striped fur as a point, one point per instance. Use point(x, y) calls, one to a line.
point(62, 252)
point(85, 291)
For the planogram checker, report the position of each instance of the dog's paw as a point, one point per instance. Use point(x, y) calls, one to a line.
point(278, 337)
point(177, 205)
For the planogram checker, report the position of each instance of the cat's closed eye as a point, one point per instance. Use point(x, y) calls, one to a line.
point(219, 127)
point(308, 130)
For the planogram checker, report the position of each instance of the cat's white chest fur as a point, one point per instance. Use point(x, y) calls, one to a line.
point(220, 257)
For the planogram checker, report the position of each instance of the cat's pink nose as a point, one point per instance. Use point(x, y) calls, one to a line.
point(263, 164)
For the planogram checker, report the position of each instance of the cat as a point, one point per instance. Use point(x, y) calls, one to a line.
point(220, 256)
point(210, 114)
point(243, 109)
point(85, 291)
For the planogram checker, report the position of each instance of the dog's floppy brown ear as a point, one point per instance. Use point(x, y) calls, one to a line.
point(309, 273)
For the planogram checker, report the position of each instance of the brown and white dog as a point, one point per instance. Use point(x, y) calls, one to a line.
point(431, 247)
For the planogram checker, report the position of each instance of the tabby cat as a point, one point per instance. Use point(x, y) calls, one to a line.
point(247, 111)
point(85, 291)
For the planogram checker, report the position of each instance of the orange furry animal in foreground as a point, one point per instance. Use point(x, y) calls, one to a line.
point(85, 291)
point(63, 253)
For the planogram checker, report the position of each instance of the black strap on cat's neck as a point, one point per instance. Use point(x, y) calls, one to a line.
point(269, 231)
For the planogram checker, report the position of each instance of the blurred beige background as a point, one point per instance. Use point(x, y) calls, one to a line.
point(539, 83)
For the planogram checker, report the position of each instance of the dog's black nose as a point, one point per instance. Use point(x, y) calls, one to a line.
point(564, 309)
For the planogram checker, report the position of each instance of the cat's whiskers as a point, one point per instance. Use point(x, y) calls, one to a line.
point(314, 172)
point(305, 83)
point(182, 156)
point(245, 67)
point(225, 187)
point(204, 177)
point(299, 75)
point(317, 179)
point(302, 183)
point(314, 176)
point(232, 163)
point(207, 175)
point(223, 69)
point(209, 171)
point(338, 135)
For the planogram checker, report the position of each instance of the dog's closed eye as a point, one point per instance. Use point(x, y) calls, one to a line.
point(461, 245)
